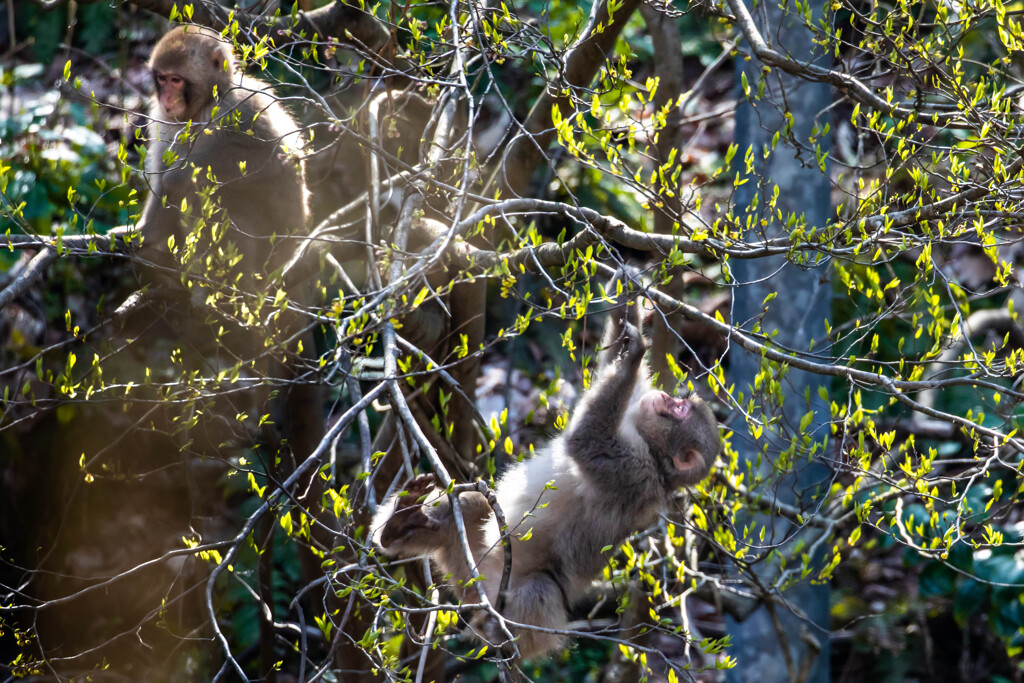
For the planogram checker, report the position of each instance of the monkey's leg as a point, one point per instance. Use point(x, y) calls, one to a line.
point(534, 600)
point(409, 517)
point(420, 521)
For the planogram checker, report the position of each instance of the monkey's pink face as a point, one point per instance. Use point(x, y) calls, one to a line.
point(683, 430)
point(170, 88)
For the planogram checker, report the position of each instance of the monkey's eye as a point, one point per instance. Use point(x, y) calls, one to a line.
point(169, 79)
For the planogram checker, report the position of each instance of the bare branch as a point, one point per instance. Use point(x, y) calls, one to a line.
point(582, 62)
point(33, 272)
point(336, 20)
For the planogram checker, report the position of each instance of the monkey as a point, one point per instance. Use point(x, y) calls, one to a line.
point(627, 448)
point(218, 136)
point(228, 198)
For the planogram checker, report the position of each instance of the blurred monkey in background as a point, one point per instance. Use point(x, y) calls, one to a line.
point(218, 138)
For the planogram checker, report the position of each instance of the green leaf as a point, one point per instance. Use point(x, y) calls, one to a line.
point(969, 597)
point(937, 580)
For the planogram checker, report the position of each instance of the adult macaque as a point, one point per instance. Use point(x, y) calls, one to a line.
point(628, 447)
point(228, 190)
point(222, 151)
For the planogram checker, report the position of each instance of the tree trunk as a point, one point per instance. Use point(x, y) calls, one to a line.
point(773, 644)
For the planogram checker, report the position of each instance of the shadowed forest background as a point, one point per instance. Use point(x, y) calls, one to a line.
point(819, 208)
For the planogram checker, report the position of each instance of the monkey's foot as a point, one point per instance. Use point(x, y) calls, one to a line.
point(420, 486)
point(409, 515)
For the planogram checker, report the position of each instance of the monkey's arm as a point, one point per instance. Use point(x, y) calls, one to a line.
point(599, 414)
point(225, 156)
point(624, 313)
point(212, 156)
point(256, 186)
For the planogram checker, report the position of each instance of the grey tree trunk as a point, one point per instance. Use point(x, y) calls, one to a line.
point(798, 619)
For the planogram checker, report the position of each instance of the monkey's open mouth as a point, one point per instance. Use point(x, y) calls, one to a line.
point(677, 408)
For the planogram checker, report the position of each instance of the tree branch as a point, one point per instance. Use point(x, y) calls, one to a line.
point(853, 87)
point(337, 20)
point(581, 65)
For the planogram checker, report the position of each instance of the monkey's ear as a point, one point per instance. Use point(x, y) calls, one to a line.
point(689, 460)
point(222, 59)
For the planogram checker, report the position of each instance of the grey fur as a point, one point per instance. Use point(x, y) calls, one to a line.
point(610, 475)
